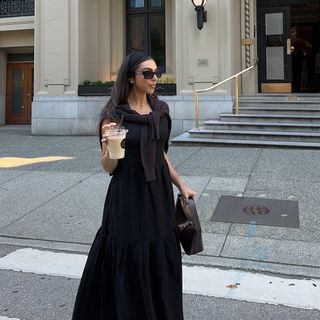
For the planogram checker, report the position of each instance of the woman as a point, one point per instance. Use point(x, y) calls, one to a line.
point(134, 270)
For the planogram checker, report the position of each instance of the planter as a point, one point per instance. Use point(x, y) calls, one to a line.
point(166, 89)
point(162, 89)
point(94, 89)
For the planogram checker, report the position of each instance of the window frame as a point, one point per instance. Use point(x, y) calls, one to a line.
point(147, 11)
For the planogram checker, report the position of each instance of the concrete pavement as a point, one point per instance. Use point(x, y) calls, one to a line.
point(56, 203)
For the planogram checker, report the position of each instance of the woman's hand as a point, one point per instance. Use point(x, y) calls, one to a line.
point(108, 164)
point(187, 193)
point(105, 129)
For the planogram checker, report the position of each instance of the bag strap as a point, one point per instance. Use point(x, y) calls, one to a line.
point(194, 213)
point(192, 205)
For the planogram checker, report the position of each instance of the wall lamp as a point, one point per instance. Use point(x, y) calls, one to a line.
point(201, 13)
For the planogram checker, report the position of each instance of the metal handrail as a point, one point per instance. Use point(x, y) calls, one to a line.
point(236, 91)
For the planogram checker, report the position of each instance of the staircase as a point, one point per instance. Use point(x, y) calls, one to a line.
point(265, 120)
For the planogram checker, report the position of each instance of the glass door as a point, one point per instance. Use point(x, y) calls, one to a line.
point(275, 73)
point(19, 93)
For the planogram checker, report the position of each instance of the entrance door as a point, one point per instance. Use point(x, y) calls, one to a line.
point(19, 93)
point(305, 44)
point(275, 49)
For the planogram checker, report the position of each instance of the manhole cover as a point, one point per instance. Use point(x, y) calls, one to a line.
point(269, 212)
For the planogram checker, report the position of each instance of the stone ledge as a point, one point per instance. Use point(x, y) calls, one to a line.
point(73, 115)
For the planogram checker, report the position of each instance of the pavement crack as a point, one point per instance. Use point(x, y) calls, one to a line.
point(253, 168)
point(225, 241)
point(46, 202)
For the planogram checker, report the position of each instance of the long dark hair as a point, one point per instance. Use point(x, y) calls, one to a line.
point(122, 86)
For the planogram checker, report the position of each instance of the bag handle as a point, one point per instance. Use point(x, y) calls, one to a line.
point(190, 205)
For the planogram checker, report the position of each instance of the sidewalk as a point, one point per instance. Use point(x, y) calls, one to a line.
point(56, 203)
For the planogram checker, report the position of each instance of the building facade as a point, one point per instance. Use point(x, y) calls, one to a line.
point(48, 48)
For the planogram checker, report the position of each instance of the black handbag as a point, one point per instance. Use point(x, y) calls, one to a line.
point(189, 227)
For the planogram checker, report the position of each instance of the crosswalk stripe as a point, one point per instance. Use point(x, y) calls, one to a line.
point(229, 284)
point(239, 285)
point(5, 318)
point(44, 262)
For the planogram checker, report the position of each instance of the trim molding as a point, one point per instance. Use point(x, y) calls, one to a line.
point(17, 23)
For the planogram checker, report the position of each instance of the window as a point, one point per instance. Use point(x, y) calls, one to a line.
point(16, 8)
point(146, 29)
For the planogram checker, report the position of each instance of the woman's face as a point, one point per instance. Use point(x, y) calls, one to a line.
point(144, 80)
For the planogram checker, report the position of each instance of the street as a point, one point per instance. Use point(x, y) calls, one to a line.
point(51, 194)
point(42, 297)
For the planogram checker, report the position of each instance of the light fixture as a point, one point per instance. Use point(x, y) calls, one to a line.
point(201, 13)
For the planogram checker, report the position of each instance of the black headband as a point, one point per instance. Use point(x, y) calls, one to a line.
point(135, 58)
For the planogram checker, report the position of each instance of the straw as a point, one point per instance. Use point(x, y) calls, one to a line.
point(120, 124)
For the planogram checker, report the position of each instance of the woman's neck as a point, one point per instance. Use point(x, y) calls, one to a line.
point(137, 100)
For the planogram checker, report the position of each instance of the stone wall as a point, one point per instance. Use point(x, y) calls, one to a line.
point(72, 115)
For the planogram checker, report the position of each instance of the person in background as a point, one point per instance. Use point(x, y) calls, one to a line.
point(299, 50)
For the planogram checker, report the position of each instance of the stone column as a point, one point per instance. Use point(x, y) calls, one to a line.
point(66, 49)
point(199, 55)
point(56, 42)
point(196, 50)
point(101, 39)
point(248, 45)
point(117, 36)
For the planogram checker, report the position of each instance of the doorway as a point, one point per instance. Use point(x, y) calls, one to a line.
point(19, 93)
point(305, 47)
point(289, 46)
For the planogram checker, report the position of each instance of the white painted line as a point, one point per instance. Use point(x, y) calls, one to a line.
point(239, 285)
point(229, 284)
point(5, 318)
point(44, 262)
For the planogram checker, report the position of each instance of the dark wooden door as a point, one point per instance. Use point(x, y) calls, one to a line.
point(19, 93)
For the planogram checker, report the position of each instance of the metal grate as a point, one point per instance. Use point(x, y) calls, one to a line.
point(269, 212)
point(16, 8)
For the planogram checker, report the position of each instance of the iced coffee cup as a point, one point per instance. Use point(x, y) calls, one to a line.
point(116, 142)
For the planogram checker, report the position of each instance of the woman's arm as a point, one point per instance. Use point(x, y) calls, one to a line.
point(108, 164)
point(177, 181)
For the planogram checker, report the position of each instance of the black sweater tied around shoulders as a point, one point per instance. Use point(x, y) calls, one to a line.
point(150, 131)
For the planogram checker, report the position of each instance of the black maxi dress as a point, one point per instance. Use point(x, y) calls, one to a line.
point(134, 270)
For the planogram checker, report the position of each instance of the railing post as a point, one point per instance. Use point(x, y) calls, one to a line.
point(197, 109)
point(236, 94)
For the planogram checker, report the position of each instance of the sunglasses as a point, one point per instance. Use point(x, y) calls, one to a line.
point(147, 74)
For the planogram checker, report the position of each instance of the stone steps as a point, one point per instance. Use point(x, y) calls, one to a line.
point(186, 140)
point(282, 110)
point(266, 121)
point(287, 118)
point(272, 126)
point(255, 135)
point(278, 98)
point(280, 105)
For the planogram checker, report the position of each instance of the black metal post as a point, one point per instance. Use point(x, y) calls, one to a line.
point(201, 16)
